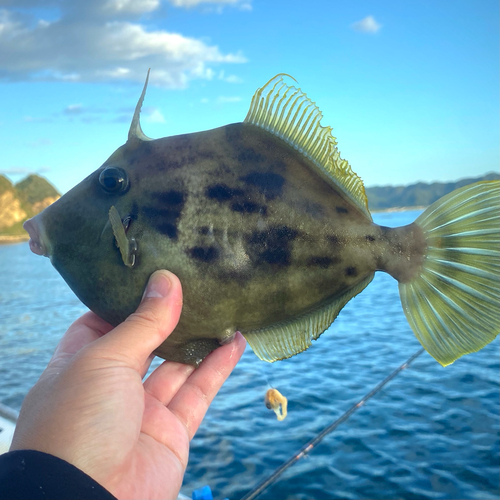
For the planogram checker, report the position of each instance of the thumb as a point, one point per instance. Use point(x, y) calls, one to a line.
point(155, 319)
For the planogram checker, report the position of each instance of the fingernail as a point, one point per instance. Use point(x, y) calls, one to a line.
point(158, 286)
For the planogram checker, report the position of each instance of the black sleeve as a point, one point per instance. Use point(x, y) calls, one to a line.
point(33, 475)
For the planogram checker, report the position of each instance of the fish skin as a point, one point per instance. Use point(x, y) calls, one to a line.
point(255, 234)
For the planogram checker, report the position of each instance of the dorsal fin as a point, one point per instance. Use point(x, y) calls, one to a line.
point(135, 131)
point(288, 113)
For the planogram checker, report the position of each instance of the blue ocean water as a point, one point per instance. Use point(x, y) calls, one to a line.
point(431, 433)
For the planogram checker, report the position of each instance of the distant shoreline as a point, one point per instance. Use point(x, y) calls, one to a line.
point(5, 239)
point(397, 209)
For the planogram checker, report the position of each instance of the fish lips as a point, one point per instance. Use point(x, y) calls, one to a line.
point(36, 245)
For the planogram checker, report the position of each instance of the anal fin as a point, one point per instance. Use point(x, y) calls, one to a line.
point(286, 339)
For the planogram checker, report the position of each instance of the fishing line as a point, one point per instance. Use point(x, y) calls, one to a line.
point(263, 367)
point(310, 445)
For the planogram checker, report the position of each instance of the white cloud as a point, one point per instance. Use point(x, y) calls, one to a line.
point(39, 143)
point(229, 78)
point(242, 4)
point(233, 79)
point(367, 25)
point(73, 109)
point(130, 6)
point(99, 45)
point(36, 119)
point(152, 115)
point(227, 99)
point(17, 172)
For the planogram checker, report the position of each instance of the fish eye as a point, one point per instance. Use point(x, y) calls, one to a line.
point(113, 180)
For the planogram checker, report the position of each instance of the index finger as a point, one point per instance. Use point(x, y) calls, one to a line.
point(85, 330)
point(193, 399)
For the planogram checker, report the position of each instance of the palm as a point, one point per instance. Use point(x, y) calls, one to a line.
point(130, 436)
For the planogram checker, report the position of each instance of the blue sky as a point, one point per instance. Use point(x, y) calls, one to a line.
point(411, 88)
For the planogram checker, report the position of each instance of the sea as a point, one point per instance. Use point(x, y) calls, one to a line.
point(430, 433)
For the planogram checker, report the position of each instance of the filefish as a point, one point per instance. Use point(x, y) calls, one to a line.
point(269, 231)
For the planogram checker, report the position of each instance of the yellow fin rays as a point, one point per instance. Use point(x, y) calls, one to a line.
point(453, 305)
point(289, 114)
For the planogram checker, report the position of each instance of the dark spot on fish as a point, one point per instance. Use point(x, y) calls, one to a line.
point(134, 212)
point(206, 155)
point(183, 152)
point(222, 192)
point(284, 232)
point(169, 198)
point(155, 166)
point(323, 262)
point(341, 210)
point(244, 207)
point(171, 164)
point(250, 155)
point(191, 159)
point(182, 143)
point(208, 254)
point(351, 271)
point(334, 239)
point(269, 183)
point(233, 132)
point(249, 208)
point(169, 229)
point(164, 220)
point(370, 237)
point(225, 275)
point(224, 169)
point(280, 256)
point(272, 246)
point(279, 165)
point(165, 217)
point(281, 297)
point(138, 155)
point(313, 209)
point(204, 230)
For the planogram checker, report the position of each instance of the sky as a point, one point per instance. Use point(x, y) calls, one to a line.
point(411, 88)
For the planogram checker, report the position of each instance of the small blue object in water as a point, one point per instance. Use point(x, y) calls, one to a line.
point(204, 493)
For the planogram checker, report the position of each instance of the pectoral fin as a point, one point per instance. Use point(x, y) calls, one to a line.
point(127, 246)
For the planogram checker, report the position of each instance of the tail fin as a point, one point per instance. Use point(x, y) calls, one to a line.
point(453, 306)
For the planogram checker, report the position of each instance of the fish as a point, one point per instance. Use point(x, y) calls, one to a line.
point(275, 401)
point(269, 231)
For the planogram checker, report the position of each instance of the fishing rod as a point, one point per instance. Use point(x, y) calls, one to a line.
point(313, 442)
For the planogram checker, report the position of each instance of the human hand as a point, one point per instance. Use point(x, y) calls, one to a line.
point(92, 409)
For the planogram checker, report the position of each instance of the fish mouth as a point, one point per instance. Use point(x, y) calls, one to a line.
point(36, 245)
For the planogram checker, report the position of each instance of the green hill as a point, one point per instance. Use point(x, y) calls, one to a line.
point(22, 201)
point(34, 189)
point(5, 185)
point(416, 195)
